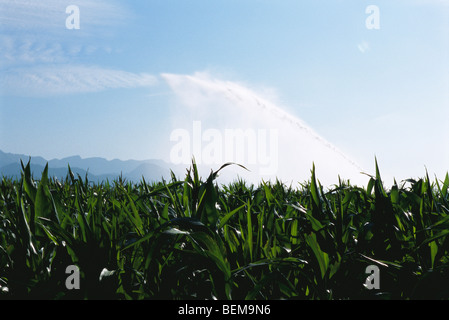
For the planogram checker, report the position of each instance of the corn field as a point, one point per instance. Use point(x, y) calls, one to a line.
point(193, 239)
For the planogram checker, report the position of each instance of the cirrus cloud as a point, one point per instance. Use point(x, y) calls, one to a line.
point(50, 15)
point(69, 79)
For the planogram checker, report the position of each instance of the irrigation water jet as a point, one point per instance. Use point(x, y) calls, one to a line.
point(225, 105)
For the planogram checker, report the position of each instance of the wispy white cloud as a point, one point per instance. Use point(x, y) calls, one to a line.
point(33, 32)
point(39, 56)
point(69, 79)
point(50, 15)
point(27, 50)
point(14, 51)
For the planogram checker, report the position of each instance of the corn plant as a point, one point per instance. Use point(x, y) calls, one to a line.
point(194, 239)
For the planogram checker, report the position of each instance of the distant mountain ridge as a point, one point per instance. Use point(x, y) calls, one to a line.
point(97, 169)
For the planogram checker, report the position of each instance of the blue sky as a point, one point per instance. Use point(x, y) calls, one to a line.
point(100, 90)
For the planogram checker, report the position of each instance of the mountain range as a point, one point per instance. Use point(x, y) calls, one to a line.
point(97, 169)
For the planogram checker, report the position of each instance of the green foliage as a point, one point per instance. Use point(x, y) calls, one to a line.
point(193, 239)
